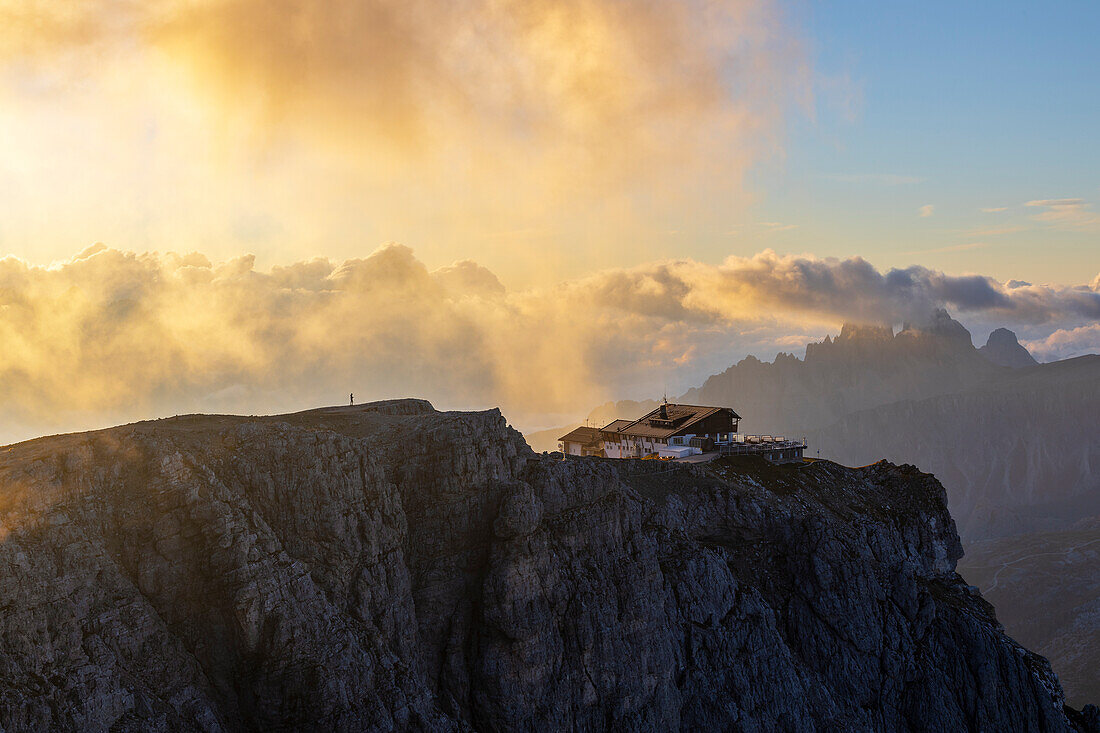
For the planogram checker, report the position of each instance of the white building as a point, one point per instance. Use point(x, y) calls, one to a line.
point(677, 431)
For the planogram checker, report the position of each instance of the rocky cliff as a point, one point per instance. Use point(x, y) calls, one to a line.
point(1016, 444)
point(391, 567)
point(1046, 587)
point(1003, 348)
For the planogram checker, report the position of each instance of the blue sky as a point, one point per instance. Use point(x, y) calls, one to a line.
point(961, 106)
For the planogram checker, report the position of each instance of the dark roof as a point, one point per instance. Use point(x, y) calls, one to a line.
point(668, 420)
point(615, 425)
point(581, 435)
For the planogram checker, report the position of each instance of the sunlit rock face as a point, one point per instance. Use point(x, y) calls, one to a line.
point(390, 567)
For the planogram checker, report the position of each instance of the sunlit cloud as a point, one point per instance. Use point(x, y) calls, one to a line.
point(232, 122)
point(926, 210)
point(1056, 203)
point(110, 336)
point(770, 227)
point(1066, 343)
point(1066, 213)
point(994, 210)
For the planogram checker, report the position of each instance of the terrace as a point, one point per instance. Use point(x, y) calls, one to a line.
point(775, 448)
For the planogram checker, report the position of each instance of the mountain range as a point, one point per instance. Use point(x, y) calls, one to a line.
point(1016, 443)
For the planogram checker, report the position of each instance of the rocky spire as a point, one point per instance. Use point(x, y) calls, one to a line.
point(1003, 348)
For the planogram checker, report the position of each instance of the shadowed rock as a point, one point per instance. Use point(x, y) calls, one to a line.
point(1002, 348)
point(387, 567)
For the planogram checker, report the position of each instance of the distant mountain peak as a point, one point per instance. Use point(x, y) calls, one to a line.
point(940, 324)
point(1004, 349)
point(865, 332)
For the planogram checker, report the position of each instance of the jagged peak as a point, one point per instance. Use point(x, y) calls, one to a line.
point(940, 323)
point(865, 332)
point(1002, 336)
point(1004, 349)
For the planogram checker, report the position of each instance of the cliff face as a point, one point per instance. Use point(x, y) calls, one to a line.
point(390, 567)
point(1018, 447)
point(1016, 444)
point(1045, 588)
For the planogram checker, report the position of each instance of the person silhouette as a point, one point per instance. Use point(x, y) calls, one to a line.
point(353, 398)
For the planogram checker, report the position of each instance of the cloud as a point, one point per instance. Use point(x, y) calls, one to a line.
point(466, 277)
point(926, 210)
point(994, 210)
point(110, 336)
point(426, 119)
point(771, 227)
point(1066, 213)
point(1066, 343)
point(1056, 203)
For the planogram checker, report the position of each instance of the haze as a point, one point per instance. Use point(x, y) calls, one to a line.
point(234, 205)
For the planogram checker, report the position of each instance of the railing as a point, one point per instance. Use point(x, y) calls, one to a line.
point(759, 446)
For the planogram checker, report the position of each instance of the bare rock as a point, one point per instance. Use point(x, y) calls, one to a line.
point(395, 568)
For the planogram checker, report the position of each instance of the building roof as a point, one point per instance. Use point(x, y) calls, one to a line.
point(668, 420)
point(582, 434)
point(615, 426)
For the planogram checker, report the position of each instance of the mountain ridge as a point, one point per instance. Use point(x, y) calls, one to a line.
point(1017, 446)
point(392, 567)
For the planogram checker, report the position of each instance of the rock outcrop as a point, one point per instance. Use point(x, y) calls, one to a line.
point(390, 567)
point(1046, 587)
point(1016, 444)
point(1004, 349)
point(1016, 447)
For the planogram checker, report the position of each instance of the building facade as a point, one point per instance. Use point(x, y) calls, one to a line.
point(677, 431)
point(581, 442)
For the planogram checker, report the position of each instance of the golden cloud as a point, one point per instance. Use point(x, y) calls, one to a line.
point(1066, 213)
point(580, 92)
point(568, 131)
point(110, 336)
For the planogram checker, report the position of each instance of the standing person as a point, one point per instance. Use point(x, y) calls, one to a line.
point(353, 398)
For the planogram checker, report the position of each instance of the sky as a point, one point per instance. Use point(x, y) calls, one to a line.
point(974, 109)
point(262, 205)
